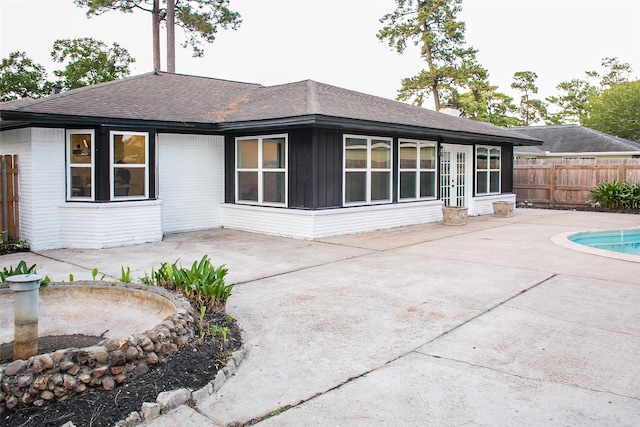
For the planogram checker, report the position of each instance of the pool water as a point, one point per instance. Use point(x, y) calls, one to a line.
point(623, 241)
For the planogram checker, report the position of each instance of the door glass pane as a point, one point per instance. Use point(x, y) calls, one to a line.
point(427, 157)
point(273, 187)
point(380, 186)
point(408, 152)
point(495, 158)
point(129, 149)
point(80, 182)
point(273, 153)
point(80, 148)
point(427, 184)
point(247, 154)
point(380, 154)
point(407, 185)
point(494, 184)
point(356, 153)
point(481, 158)
point(248, 186)
point(355, 187)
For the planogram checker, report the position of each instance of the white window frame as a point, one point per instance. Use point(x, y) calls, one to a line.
point(113, 166)
point(368, 170)
point(418, 169)
point(260, 170)
point(90, 166)
point(488, 170)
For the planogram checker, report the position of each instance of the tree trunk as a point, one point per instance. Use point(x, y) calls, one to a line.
point(171, 36)
point(155, 16)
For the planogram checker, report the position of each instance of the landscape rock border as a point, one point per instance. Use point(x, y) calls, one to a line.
point(65, 373)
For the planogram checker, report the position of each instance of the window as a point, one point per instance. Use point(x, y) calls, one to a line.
point(487, 170)
point(417, 169)
point(80, 165)
point(261, 170)
point(367, 170)
point(129, 165)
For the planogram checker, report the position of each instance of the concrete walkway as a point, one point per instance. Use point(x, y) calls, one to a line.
point(489, 323)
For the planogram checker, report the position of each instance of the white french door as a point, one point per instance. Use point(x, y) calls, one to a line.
point(455, 174)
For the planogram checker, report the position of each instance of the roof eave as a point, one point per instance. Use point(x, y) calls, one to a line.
point(370, 126)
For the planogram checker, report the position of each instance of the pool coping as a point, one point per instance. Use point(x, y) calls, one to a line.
point(562, 239)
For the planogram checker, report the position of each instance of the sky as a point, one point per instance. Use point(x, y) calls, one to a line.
point(334, 41)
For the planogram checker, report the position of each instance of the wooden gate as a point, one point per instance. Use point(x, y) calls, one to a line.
point(9, 216)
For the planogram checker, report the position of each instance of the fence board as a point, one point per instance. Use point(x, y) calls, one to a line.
point(9, 200)
point(566, 182)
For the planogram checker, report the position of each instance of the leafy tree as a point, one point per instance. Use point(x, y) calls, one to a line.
point(575, 96)
point(200, 19)
point(531, 110)
point(616, 110)
point(90, 62)
point(432, 25)
point(483, 102)
point(20, 77)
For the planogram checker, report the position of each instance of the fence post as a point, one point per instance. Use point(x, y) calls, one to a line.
point(5, 202)
point(552, 184)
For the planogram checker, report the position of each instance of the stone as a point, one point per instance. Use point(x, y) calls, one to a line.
point(151, 335)
point(100, 371)
point(47, 361)
point(132, 419)
point(172, 399)
point(118, 358)
point(74, 370)
point(164, 349)
point(38, 403)
point(120, 378)
point(27, 399)
point(131, 353)
point(101, 356)
point(112, 345)
point(11, 402)
point(150, 410)
point(25, 381)
point(116, 370)
point(41, 382)
point(65, 366)
point(133, 341)
point(152, 358)
point(69, 381)
point(56, 379)
point(59, 355)
point(237, 356)
point(47, 395)
point(37, 366)
point(15, 367)
point(80, 388)
point(68, 424)
point(80, 356)
point(59, 392)
point(85, 378)
point(141, 369)
point(108, 383)
point(169, 325)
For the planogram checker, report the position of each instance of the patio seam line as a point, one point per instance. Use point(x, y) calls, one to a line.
point(541, 380)
point(269, 414)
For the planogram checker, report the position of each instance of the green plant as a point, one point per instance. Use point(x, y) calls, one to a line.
point(203, 283)
point(12, 245)
point(203, 309)
point(125, 275)
point(70, 277)
point(20, 268)
point(616, 195)
point(94, 273)
point(221, 331)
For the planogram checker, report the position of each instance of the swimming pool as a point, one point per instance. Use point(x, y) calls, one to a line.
point(623, 241)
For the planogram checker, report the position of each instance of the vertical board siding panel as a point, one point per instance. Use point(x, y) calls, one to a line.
point(191, 181)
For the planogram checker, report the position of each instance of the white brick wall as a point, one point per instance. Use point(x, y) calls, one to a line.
point(330, 222)
point(191, 187)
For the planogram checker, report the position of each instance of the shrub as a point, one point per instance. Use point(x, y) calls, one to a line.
point(616, 195)
point(21, 268)
point(203, 283)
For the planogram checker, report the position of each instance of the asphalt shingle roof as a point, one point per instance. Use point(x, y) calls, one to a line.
point(573, 138)
point(161, 96)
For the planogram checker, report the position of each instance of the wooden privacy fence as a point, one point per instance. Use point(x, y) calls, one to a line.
point(9, 216)
point(567, 183)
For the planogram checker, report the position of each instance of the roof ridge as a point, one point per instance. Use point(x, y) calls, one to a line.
point(313, 101)
point(616, 139)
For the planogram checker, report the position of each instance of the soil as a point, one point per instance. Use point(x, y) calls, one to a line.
point(191, 367)
point(10, 249)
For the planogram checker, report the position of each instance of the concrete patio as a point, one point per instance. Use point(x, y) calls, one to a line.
point(489, 323)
